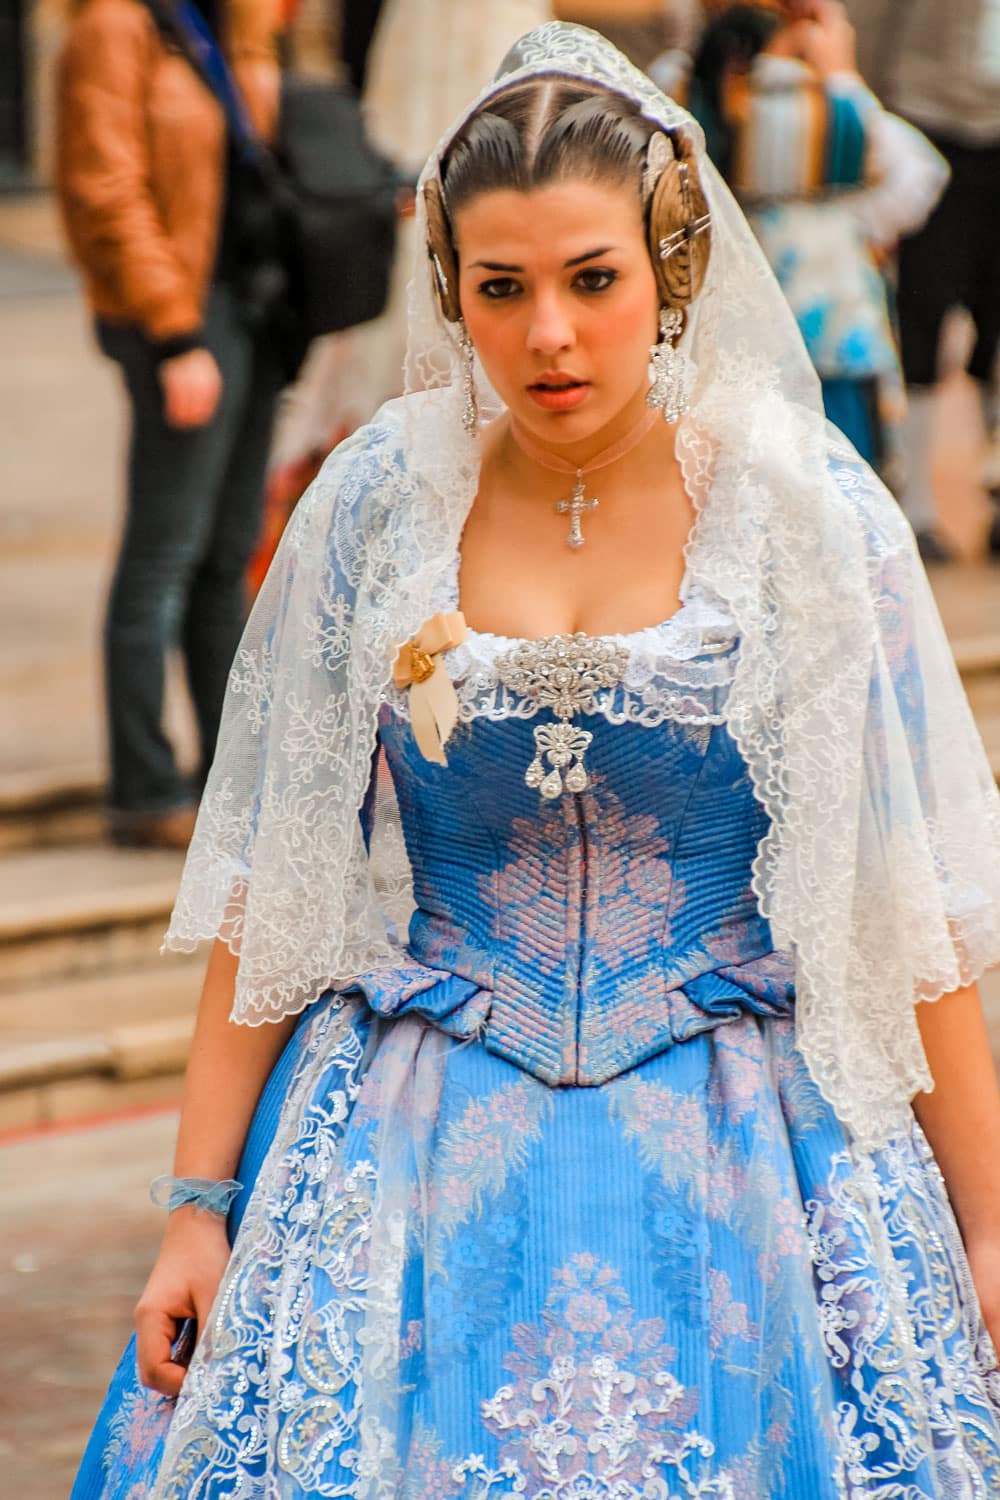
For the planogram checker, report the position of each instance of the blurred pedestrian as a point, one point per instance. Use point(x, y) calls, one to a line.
point(358, 20)
point(641, 29)
point(147, 179)
point(939, 67)
point(424, 58)
point(829, 181)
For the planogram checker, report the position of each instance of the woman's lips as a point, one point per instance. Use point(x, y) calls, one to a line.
point(559, 397)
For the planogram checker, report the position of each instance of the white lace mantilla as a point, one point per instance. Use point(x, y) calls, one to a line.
point(678, 671)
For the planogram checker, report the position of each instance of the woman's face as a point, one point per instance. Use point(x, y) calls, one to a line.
point(560, 300)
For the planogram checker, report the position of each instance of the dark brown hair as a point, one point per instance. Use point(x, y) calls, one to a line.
point(550, 129)
point(543, 132)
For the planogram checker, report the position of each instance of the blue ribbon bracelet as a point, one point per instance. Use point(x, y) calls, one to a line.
point(207, 1196)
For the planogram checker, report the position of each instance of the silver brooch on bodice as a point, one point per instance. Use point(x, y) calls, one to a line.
point(562, 672)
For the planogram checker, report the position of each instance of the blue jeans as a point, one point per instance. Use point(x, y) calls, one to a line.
point(195, 500)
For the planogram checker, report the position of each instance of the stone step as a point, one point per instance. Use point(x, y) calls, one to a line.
point(90, 1045)
point(68, 911)
point(977, 656)
point(46, 807)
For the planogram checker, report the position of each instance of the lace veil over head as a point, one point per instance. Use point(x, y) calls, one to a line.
point(881, 869)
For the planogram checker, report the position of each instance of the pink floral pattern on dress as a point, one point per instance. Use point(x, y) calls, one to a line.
point(489, 1139)
point(137, 1432)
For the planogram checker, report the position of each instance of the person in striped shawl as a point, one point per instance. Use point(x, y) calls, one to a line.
point(829, 181)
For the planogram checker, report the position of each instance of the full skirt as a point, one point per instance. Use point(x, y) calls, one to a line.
point(450, 1280)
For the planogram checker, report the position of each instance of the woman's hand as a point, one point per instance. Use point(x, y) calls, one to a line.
point(984, 1263)
point(825, 38)
point(182, 1284)
point(192, 386)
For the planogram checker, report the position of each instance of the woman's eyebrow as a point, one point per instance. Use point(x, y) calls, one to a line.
point(578, 260)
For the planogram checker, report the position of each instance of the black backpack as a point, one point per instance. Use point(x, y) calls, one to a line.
point(311, 224)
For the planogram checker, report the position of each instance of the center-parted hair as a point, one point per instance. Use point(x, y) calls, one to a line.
point(538, 134)
point(551, 130)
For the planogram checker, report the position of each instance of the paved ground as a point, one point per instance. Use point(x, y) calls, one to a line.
point(78, 1236)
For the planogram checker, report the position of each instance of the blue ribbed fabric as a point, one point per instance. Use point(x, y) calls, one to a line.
point(555, 1211)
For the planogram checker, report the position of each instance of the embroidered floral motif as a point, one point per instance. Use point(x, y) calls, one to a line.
point(478, 1227)
point(333, 1365)
point(920, 1366)
point(309, 1226)
point(610, 1268)
point(594, 1411)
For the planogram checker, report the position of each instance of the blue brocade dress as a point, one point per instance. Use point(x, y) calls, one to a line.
point(555, 1210)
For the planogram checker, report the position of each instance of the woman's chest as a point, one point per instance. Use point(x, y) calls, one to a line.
point(582, 558)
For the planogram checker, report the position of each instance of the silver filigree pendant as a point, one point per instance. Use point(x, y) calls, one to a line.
point(669, 370)
point(562, 672)
point(559, 744)
point(470, 404)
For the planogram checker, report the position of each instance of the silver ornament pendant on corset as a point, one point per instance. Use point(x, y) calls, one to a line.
point(563, 673)
point(578, 502)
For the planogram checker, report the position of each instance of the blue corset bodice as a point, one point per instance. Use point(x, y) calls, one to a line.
point(579, 936)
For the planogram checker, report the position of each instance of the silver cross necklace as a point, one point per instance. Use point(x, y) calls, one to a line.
point(576, 505)
point(578, 502)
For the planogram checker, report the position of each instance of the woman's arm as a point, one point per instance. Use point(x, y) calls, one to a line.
point(908, 177)
point(961, 1120)
point(228, 1067)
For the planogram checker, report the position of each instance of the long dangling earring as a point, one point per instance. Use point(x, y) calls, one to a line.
point(470, 405)
point(669, 370)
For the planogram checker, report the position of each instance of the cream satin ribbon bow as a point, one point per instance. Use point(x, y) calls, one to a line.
point(433, 701)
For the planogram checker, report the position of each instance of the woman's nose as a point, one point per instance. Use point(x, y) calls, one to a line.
point(551, 329)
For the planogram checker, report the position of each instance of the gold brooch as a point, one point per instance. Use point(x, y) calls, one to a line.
point(433, 701)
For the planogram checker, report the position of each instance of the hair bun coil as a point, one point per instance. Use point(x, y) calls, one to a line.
point(441, 251)
point(680, 233)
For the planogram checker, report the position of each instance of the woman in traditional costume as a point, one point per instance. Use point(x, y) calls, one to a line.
point(580, 875)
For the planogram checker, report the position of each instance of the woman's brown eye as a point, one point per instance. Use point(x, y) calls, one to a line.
point(498, 287)
point(596, 280)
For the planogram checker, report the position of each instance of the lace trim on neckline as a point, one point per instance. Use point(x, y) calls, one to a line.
point(679, 670)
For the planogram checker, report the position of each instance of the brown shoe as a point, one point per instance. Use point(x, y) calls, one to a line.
point(169, 830)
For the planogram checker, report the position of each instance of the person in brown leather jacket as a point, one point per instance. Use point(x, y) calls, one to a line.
point(145, 175)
